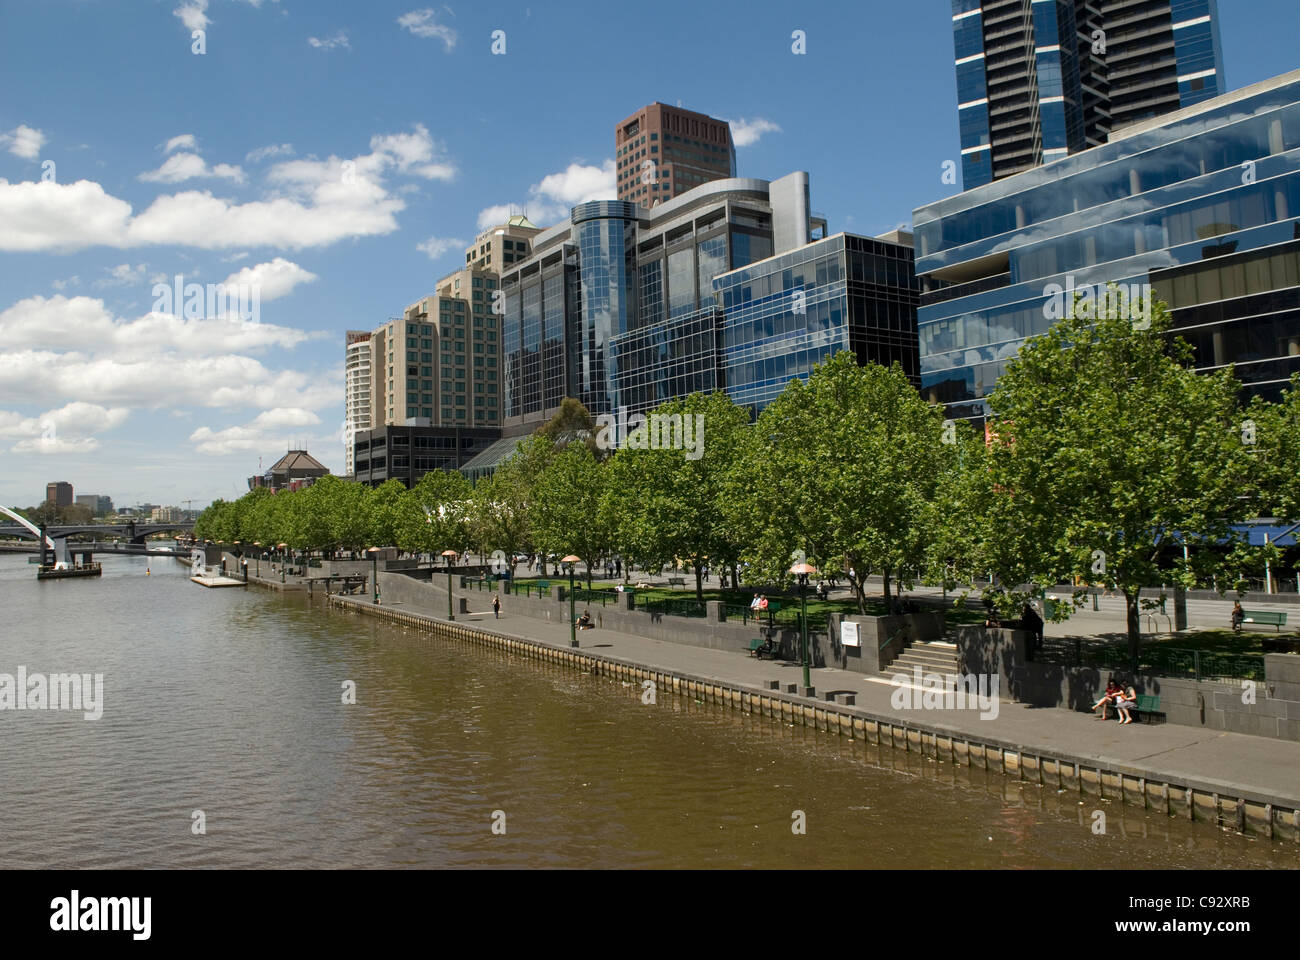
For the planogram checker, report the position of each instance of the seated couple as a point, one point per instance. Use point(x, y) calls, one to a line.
point(584, 621)
point(1124, 700)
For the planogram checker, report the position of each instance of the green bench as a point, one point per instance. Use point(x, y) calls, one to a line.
point(1148, 705)
point(760, 647)
point(1264, 617)
point(677, 582)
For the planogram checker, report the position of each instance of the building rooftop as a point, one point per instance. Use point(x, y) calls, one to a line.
point(297, 460)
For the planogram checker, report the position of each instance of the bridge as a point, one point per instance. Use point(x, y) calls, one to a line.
point(57, 536)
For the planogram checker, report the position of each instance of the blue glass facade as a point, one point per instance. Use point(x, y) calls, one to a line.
point(1217, 190)
point(1038, 80)
point(784, 315)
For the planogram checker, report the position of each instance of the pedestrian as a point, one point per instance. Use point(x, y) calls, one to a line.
point(496, 606)
point(1238, 617)
point(618, 567)
point(1031, 621)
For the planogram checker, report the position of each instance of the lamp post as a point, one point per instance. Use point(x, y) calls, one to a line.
point(569, 562)
point(449, 555)
point(801, 570)
point(282, 546)
point(258, 544)
point(374, 571)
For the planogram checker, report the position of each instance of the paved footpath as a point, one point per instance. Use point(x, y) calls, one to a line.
point(1260, 769)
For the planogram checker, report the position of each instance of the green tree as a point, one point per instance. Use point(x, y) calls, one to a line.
point(1108, 447)
point(1270, 436)
point(437, 514)
point(384, 515)
point(843, 468)
point(569, 514)
point(666, 497)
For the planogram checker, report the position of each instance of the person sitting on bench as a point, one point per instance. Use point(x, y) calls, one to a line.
point(584, 621)
point(1124, 702)
point(1238, 616)
point(1112, 690)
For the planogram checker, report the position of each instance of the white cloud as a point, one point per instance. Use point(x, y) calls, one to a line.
point(68, 282)
point(415, 153)
point(123, 275)
point(421, 23)
point(310, 203)
point(552, 198)
point(185, 140)
point(188, 166)
point(69, 429)
point(437, 246)
point(264, 430)
point(746, 132)
point(24, 141)
point(339, 39)
point(274, 279)
point(274, 150)
point(193, 13)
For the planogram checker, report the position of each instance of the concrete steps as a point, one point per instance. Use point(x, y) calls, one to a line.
point(936, 657)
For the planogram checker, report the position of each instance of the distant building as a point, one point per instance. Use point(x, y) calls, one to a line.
point(59, 493)
point(357, 373)
point(97, 505)
point(167, 515)
point(663, 151)
point(296, 469)
point(408, 452)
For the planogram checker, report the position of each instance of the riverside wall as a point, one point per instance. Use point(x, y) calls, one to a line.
point(1189, 797)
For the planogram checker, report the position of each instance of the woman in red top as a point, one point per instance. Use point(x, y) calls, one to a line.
point(1112, 691)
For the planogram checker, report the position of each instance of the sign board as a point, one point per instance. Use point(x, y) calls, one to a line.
point(849, 634)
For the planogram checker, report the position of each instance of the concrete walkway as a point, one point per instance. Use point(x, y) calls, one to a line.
point(1260, 769)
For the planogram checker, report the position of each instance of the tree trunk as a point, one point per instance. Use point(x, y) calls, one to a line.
point(885, 575)
point(699, 583)
point(1134, 624)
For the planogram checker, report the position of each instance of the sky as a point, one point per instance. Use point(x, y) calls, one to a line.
point(337, 157)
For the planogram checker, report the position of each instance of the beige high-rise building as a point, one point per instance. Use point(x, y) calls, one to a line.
point(438, 364)
point(499, 247)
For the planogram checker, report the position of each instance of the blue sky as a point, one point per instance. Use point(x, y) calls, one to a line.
point(341, 154)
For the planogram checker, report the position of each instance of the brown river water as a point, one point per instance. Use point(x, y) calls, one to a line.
point(230, 702)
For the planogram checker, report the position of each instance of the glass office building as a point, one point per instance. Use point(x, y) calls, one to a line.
point(1038, 80)
point(783, 315)
point(617, 308)
point(1202, 204)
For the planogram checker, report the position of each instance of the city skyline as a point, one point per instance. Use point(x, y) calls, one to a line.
point(211, 182)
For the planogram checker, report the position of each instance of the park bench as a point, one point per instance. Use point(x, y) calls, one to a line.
point(1264, 617)
point(760, 648)
point(677, 582)
point(1148, 705)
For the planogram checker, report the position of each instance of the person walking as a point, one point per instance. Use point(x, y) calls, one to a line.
point(496, 606)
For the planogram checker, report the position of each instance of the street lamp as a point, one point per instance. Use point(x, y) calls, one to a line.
point(258, 544)
point(569, 562)
point(801, 570)
point(374, 570)
point(449, 555)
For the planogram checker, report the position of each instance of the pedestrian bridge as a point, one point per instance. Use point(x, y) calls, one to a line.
point(57, 536)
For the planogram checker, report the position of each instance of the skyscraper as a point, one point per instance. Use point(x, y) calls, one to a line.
point(1038, 80)
point(357, 400)
point(663, 151)
point(59, 493)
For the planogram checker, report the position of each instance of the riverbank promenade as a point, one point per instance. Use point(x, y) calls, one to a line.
point(1259, 769)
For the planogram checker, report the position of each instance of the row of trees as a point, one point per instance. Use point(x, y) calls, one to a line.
point(1105, 454)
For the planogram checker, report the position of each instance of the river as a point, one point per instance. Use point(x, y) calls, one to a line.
point(230, 702)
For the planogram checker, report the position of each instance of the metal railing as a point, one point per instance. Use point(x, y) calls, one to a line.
point(603, 597)
point(673, 608)
point(1158, 659)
